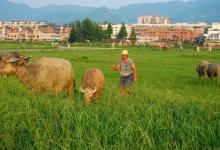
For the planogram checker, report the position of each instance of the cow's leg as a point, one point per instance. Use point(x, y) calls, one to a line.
point(70, 88)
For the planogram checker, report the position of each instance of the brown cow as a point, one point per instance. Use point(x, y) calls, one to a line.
point(92, 82)
point(203, 67)
point(43, 75)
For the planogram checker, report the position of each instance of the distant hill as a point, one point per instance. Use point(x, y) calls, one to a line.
point(192, 11)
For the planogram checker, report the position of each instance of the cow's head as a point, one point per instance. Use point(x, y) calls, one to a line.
point(88, 93)
point(9, 61)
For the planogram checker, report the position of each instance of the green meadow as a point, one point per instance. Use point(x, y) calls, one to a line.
point(170, 108)
point(24, 45)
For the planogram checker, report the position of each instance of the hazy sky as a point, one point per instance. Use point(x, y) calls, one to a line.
point(96, 3)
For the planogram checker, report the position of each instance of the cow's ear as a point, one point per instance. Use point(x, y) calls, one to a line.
point(197, 69)
point(26, 59)
point(82, 90)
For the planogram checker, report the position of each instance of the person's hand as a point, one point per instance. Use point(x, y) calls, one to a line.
point(113, 66)
point(135, 80)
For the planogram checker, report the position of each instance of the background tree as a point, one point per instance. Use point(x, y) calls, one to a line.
point(79, 34)
point(199, 41)
point(109, 31)
point(88, 29)
point(122, 33)
point(72, 37)
point(133, 36)
point(98, 33)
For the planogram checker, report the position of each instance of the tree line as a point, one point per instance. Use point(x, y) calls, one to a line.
point(89, 31)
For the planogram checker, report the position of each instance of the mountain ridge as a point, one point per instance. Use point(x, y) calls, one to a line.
point(191, 11)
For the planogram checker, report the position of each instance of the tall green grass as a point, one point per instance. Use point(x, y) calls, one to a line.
point(170, 108)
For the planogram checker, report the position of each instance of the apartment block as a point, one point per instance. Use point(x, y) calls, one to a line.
point(167, 34)
point(158, 32)
point(35, 33)
point(213, 33)
point(17, 24)
point(153, 20)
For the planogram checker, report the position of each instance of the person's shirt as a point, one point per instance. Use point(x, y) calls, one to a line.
point(126, 67)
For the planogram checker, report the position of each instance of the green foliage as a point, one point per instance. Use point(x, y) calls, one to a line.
point(109, 31)
point(72, 36)
point(79, 35)
point(200, 40)
point(100, 34)
point(170, 108)
point(87, 31)
point(133, 37)
point(122, 33)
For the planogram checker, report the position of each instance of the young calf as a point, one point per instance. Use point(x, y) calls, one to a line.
point(202, 68)
point(213, 70)
point(92, 82)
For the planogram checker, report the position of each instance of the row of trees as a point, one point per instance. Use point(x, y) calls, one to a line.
point(87, 30)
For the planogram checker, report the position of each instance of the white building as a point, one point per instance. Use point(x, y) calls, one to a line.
point(2, 33)
point(153, 20)
point(141, 27)
point(213, 33)
point(189, 26)
point(17, 24)
point(116, 28)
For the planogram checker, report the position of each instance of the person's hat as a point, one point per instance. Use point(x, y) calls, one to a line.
point(124, 52)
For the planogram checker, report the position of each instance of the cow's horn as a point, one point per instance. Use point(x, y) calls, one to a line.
point(94, 90)
point(13, 60)
point(81, 89)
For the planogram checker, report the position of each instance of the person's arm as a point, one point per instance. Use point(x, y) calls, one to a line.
point(116, 67)
point(134, 71)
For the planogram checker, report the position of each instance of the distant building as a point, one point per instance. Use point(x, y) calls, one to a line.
point(116, 28)
point(2, 33)
point(153, 20)
point(158, 32)
point(213, 33)
point(17, 24)
point(167, 34)
point(35, 33)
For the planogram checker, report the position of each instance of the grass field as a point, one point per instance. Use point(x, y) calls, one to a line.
point(13, 46)
point(170, 108)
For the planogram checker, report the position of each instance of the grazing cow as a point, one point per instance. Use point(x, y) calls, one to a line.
point(92, 82)
point(47, 75)
point(213, 70)
point(202, 68)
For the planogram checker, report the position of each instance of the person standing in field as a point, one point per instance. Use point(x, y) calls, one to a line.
point(180, 45)
point(209, 48)
point(164, 47)
point(128, 73)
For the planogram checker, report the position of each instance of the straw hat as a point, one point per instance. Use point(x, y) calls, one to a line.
point(124, 52)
